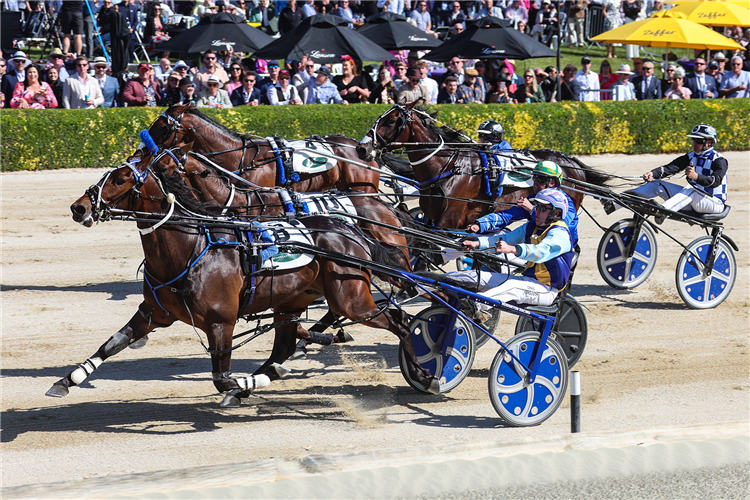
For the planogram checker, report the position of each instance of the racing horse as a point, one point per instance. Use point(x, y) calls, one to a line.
point(194, 274)
point(451, 179)
point(256, 159)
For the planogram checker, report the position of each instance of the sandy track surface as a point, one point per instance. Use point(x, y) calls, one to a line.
point(650, 361)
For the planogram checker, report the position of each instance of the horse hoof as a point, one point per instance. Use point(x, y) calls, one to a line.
point(299, 354)
point(140, 343)
point(230, 401)
point(281, 370)
point(434, 387)
point(344, 337)
point(57, 391)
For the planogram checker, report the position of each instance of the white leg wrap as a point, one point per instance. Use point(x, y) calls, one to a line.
point(253, 382)
point(85, 369)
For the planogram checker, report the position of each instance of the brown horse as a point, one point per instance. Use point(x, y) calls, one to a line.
point(451, 178)
point(210, 292)
point(255, 159)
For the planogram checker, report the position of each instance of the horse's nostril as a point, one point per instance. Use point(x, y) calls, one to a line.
point(77, 210)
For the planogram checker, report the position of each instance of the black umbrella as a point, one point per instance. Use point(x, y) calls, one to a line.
point(492, 41)
point(324, 38)
point(216, 31)
point(394, 32)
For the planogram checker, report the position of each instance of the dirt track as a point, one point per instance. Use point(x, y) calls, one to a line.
point(650, 361)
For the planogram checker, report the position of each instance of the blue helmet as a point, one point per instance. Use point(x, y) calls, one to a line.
point(556, 199)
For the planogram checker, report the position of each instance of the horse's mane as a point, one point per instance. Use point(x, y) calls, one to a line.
point(187, 196)
point(592, 175)
point(197, 113)
point(448, 134)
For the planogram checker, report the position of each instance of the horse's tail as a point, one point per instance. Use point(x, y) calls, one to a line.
point(396, 165)
point(593, 176)
point(389, 256)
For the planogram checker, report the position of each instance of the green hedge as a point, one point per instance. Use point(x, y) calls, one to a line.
point(48, 139)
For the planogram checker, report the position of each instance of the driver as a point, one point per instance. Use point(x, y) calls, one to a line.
point(546, 175)
point(492, 132)
point(544, 242)
point(706, 172)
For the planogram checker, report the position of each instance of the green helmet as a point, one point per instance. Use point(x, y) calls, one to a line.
point(548, 169)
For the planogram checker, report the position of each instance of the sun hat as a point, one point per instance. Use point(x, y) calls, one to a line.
point(213, 79)
point(20, 55)
point(99, 61)
point(471, 72)
point(624, 70)
point(56, 53)
point(181, 64)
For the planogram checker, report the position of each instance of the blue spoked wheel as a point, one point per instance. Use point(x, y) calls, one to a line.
point(450, 365)
point(619, 271)
point(517, 401)
point(698, 290)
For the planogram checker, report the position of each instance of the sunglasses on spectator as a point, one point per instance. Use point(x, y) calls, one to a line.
point(283, 78)
point(456, 62)
point(171, 79)
point(235, 69)
point(271, 66)
point(213, 84)
point(249, 81)
point(414, 81)
point(648, 67)
point(700, 63)
point(310, 66)
point(528, 76)
point(210, 58)
point(82, 65)
point(670, 69)
point(737, 64)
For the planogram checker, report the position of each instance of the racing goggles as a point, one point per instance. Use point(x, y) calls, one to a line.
point(541, 179)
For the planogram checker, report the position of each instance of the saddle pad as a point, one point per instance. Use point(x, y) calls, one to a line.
point(325, 203)
point(288, 232)
point(517, 167)
point(304, 159)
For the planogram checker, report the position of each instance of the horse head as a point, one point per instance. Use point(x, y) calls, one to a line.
point(168, 129)
point(392, 126)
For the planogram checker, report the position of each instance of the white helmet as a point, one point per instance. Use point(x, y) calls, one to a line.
point(491, 130)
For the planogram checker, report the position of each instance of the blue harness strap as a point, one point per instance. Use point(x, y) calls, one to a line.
point(500, 178)
point(485, 174)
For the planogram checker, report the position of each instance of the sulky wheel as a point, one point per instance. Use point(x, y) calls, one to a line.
point(697, 290)
point(616, 268)
point(517, 401)
point(571, 329)
point(417, 214)
point(427, 331)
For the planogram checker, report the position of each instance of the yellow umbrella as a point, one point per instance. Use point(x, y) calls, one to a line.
point(668, 29)
point(715, 13)
point(741, 3)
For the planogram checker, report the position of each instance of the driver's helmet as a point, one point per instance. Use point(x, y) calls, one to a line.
point(490, 131)
point(545, 170)
point(557, 199)
point(703, 131)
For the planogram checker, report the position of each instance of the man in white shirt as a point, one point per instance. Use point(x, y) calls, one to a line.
point(421, 16)
point(395, 6)
point(623, 90)
point(736, 82)
point(588, 81)
point(432, 86)
point(82, 91)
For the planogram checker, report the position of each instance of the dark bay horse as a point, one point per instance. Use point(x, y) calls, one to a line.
point(452, 185)
point(188, 277)
point(255, 159)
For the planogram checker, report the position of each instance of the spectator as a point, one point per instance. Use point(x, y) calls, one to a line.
point(170, 93)
point(352, 86)
point(283, 93)
point(242, 9)
point(400, 76)
point(182, 68)
point(472, 90)
point(213, 96)
point(656, 6)
point(521, 26)
point(225, 58)
point(57, 59)
point(606, 78)
point(737, 82)
point(432, 86)
point(422, 17)
point(576, 21)
point(33, 93)
point(109, 85)
point(499, 93)
point(210, 68)
point(308, 9)
point(270, 81)
point(457, 29)
point(87, 10)
point(701, 85)
point(163, 70)
point(266, 16)
point(449, 93)
point(721, 60)
point(57, 86)
point(81, 91)
point(103, 20)
point(343, 10)
point(385, 90)
point(247, 94)
point(546, 21)
point(588, 81)
point(677, 91)
point(235, 78)
point(455, 69)
point(482, 75)
point(632, 10)
point(713, 70)
point(490, 9)
point(453, 16)
point(517, 13)
point(412, 89)
point(187, 90)
point(395, 6)
point(570, 89)
point(291, 16)
point(529, 91)
point(647, 86)
point(321, 90)
point(549, 84)
point(305, 71)
point(155, 33)
point(612, 20)
point(142, 91)
point(15, 75)
point(666, 82)
point(637, 67)
point(71, 21)
point(623, 89)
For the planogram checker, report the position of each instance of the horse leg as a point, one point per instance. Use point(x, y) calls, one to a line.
point(315, 335)
point(137, 328)
point(283, 348)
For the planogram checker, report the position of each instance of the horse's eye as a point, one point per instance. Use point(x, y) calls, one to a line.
point(120, 181)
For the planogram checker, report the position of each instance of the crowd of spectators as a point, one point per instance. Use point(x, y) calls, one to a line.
point(225, 79)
